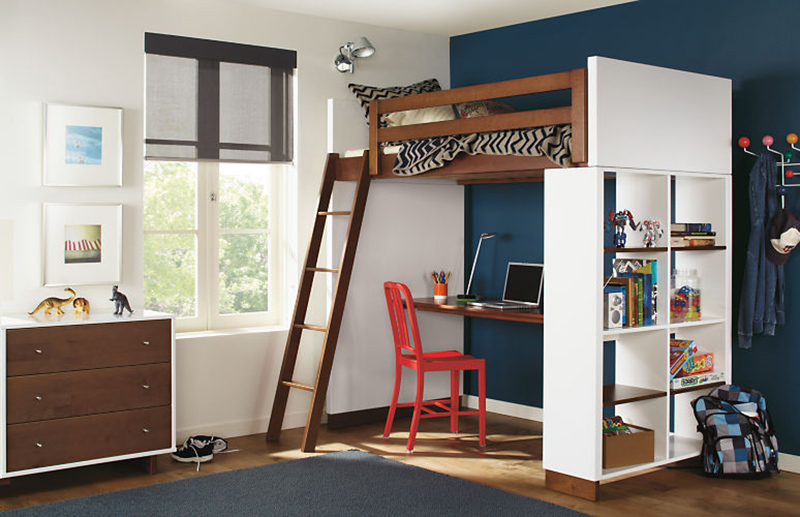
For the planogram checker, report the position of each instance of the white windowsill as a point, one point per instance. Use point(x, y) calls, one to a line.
point(231, 332)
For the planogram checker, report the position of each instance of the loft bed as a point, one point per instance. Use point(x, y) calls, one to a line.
point(479, 168)
point(624, 116)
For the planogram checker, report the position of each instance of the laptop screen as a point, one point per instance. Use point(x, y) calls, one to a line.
point(523, 282)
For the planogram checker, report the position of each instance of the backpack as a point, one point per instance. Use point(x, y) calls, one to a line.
point(738, 438)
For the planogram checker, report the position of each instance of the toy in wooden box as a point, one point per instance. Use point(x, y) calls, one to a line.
point(628, 448)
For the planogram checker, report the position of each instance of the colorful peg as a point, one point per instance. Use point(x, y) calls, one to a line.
point(790, 173)
point(781, 190)
point(768, 140)
point(744, 142)
point(791, 138)
point(788, 155)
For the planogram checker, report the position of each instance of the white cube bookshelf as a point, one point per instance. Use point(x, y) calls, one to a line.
point(575, 391)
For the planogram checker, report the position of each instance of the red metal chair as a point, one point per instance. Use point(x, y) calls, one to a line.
point(409, 353)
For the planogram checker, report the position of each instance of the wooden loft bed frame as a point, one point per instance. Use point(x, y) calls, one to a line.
point(479, 168)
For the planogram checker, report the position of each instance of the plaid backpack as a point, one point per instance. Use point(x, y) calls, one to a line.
point(738, 438)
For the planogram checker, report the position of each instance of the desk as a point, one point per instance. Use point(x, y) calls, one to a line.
point(451, 307)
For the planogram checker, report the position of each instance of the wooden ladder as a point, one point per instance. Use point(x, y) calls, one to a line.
point(298, 324)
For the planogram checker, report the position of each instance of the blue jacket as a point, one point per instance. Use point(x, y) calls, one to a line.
point(761, 303)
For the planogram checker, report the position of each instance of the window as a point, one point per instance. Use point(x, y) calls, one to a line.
point(212, 234)
point(218, 146)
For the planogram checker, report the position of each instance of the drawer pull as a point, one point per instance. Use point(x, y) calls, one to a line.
point(38, 351)
point(145, 430)
point(39, 445)
point(146, 386)
point(38, 397)
point(145, 342)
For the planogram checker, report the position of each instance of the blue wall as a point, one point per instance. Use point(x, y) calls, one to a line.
point(753, 42)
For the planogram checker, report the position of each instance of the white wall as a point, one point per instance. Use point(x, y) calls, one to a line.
point(411, 227)
point(90, 52)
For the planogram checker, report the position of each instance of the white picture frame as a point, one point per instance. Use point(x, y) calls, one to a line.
point(82, 146)
point(82, 244)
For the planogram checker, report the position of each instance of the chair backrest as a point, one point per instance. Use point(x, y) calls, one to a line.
point(403, 318)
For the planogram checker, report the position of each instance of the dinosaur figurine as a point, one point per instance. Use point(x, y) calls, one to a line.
point(81, 306)
point(120, 301)
point(48, 304)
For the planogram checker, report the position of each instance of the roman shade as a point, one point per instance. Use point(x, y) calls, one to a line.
point(217, 101)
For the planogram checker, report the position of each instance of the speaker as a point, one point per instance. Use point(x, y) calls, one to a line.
point(613, 310)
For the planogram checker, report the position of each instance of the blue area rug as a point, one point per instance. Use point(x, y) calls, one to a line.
point(351, 483)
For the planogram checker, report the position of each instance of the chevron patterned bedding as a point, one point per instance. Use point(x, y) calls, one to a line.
point(419, 156)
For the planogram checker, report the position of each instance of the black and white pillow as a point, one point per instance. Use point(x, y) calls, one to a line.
point(364, 93)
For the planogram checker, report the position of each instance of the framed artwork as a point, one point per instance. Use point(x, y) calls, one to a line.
point(82, 244)
point(82, 146)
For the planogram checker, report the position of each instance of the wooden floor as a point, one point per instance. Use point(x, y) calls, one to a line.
point(511, 461)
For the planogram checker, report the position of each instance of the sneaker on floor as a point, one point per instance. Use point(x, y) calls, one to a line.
point(219, 444)
point(194, 451)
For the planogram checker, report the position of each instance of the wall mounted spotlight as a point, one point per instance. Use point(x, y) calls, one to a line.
point(350, 51)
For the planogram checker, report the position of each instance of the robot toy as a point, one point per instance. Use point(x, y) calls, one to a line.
point(619, 220)
point(652, 232)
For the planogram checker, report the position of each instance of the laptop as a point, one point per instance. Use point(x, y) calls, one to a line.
point(522, 289)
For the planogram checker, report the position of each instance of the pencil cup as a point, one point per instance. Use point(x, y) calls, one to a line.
point(440, 292)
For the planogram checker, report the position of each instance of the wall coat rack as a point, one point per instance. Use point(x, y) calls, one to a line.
point(784, 162)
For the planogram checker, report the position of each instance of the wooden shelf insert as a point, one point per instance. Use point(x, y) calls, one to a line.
point(660, 249)
point(614, 394)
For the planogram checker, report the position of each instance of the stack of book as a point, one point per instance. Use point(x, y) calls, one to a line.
point(689, 367)
point(637, 280)
point(683, 235)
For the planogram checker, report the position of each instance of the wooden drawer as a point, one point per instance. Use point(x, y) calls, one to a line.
point(60, 395)
point(83, 347)
point(68, 440)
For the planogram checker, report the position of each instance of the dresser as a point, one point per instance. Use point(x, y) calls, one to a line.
point(84, 391)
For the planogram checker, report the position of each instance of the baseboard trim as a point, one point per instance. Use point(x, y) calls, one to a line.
point(789, 463)
point(240, 427)
point(506, 408)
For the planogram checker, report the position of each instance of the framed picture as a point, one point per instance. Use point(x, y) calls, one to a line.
point(82, 146)
point(82, 244)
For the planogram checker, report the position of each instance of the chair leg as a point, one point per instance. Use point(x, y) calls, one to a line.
point(393, 406)
point(482, 405)
point(454, 402)
point(412, 434)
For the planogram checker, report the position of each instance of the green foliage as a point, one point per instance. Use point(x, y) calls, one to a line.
point(170, 196)
point(170, 271)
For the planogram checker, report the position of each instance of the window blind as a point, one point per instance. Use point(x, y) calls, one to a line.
point(220, 101)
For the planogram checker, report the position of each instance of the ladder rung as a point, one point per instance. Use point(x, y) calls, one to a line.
point(299, 385)
point(335, 213)
point(311, 327)
point(322, 269)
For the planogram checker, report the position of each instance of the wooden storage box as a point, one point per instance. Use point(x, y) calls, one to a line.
point(628, 449)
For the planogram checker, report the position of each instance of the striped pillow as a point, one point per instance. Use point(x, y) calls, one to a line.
point(364, 94)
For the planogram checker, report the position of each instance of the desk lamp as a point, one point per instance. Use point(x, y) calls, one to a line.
point(466, 296)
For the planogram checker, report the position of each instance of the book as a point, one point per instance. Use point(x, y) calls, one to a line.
point(685, 242)
point(652, 268)
point(680, 352)
point(697, 380)
point(690, 227)
point(644, 301)
point(692, 234)
point(647, 271)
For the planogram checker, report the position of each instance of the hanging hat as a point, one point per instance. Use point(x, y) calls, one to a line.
point(784, 235)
